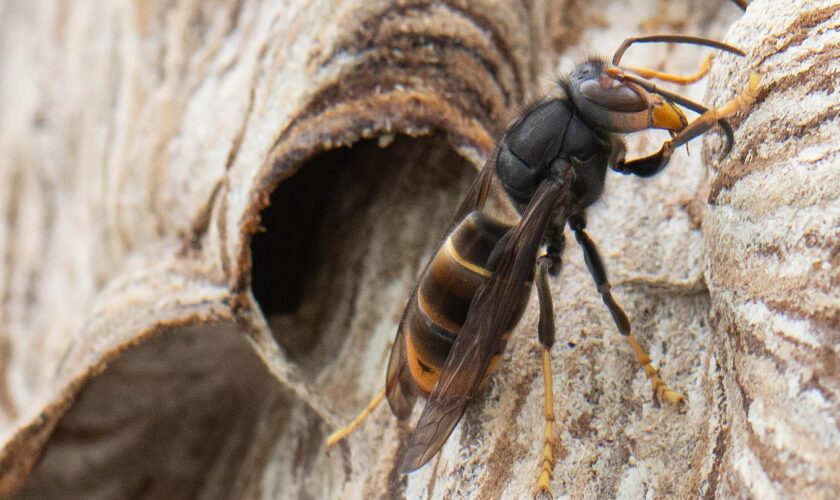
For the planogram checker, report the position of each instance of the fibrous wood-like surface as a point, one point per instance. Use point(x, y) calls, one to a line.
point(213, 213)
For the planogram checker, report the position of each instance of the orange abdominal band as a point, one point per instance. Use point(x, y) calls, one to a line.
point(425, 379)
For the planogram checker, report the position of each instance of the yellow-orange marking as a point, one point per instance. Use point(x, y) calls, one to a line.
point(463, 262)
point(424, 379)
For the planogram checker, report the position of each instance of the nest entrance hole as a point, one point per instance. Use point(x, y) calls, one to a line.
point(347, 225)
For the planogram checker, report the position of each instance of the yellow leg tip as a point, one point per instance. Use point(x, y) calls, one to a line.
point(334, 438)
point(547, 462)
point(665, 393)
point(755, 81)
point(673, 397)
point(543, 485)
point(342, 433)
point(548, 454)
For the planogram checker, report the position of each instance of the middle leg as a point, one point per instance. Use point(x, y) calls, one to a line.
point(546, 329)
point(548, 264)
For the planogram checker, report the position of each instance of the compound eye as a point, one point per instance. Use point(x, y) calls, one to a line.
point(616, 97)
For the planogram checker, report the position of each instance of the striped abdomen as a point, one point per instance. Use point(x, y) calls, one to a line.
point(439, 308)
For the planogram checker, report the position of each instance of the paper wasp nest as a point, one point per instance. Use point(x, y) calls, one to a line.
point(214, 212)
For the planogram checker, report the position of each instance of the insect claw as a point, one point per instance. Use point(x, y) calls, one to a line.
point(542, 494)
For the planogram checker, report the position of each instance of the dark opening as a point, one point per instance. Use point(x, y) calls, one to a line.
point(319, 224)
point(286, 251)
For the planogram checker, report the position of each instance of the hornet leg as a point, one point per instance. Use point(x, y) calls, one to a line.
point(345, 431)
point(545, 329)
point(548, 263)
point(599, 274)
point(653, 164)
